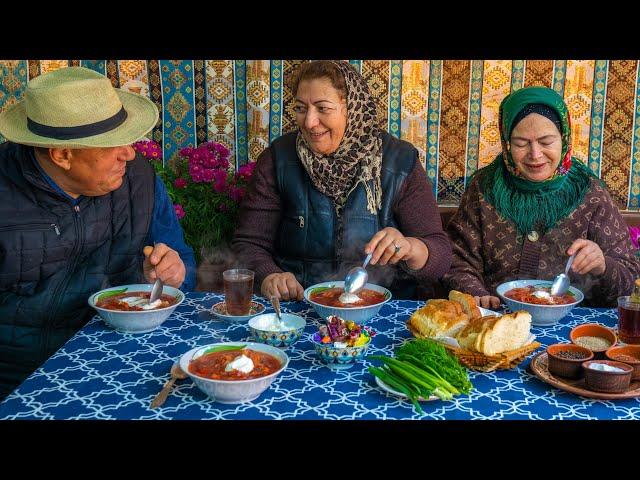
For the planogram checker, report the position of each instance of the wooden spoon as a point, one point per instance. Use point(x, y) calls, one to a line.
point(176, 374)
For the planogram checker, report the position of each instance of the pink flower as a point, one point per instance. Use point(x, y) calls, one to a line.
point(185, 152)
point(246, 171)
point(207, 175)
point(180, 213)
point(220, 184)
point(148, 149)
point(196, 172)
point(180, 183)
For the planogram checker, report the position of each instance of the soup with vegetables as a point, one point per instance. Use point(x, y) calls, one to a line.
point(237, 364)
point(134, 301)
point(331, 298)
point(538, 296)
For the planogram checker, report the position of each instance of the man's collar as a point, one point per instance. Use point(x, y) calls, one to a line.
point(56, 188)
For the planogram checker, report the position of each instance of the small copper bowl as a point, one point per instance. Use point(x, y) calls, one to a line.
point(566, 359)
point(605, 338)
point(612, 382)
point(629, 354)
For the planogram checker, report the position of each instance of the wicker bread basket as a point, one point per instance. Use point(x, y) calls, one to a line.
point(486, 363)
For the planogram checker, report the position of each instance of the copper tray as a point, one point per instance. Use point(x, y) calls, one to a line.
point(538, 366)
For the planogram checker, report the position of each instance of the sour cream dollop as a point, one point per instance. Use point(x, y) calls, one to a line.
point(275, 325)
point(348, 298)
point(242, 363)
point(603, 367)
point(141, 302)
point(542, 294)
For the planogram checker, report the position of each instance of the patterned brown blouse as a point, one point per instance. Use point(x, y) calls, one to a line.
point(487, 250)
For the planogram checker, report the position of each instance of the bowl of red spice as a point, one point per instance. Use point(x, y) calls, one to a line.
point(566, 359)
point(629, 354)
point(595, 337)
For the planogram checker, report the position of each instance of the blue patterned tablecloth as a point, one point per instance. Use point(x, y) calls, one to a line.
point(103, 374)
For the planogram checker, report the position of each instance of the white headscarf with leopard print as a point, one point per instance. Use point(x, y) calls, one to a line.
point(359, 155)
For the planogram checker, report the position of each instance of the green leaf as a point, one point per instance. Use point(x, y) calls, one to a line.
point(110, 293)
point(319, 289)
point(224, 348)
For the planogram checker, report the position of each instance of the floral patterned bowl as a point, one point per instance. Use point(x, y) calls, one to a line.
point(264, 329)
point(340, 358)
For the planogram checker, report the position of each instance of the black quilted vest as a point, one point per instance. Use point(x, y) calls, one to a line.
point(54, 255)
point(305, 243)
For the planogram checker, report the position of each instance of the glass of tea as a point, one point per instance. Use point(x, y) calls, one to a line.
point(628, 320)
point(238, 288)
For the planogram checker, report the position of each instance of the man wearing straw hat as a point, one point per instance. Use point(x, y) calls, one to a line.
point(77, 208)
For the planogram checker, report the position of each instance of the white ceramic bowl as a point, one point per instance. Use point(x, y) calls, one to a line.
point(293, 327)
point(358, 315)
point(234, 391)
point(541, 315)
point(136, 321)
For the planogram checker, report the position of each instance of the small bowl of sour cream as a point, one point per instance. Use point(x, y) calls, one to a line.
point(266, 328)
point(607, 376)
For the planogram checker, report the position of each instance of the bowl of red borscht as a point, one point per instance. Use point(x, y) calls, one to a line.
point(126, 308)
point(234, 372)
point(534, 297)
point(325, 299)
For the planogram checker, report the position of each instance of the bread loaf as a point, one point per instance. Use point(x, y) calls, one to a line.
point(438, 318)
point(493, 335)
point(469, 337)
point(468, 303)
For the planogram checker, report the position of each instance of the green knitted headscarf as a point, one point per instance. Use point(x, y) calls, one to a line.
point(534, 205)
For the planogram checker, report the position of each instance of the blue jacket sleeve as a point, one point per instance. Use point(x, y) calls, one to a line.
point(165, 228)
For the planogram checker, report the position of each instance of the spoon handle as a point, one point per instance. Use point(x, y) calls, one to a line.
point(164, 393)
point(367, 260)
point(569, 263)
point(276, 305)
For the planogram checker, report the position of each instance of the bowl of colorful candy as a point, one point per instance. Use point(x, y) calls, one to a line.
point(341, 343)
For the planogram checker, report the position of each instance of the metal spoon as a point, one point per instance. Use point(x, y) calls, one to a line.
point(562, 283)
point(275, 302)
point(357, 277)
point(156, 291)
point(176, 374)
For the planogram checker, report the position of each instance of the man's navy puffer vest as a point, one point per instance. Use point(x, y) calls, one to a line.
point(305, 245)
point(54, 255)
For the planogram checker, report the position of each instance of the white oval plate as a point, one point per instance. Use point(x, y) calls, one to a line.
point(392, 391)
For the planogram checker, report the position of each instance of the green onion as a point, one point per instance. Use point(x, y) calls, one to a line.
point(423, 367)
point(319, 289)
point(223, 348)
point(110, 293)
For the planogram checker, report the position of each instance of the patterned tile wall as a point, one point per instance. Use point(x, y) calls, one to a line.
point(448, 109)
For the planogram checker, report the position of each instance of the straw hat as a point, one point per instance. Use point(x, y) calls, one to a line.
point(77, 108)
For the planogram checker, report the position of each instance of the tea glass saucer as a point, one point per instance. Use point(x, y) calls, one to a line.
point(220, 310)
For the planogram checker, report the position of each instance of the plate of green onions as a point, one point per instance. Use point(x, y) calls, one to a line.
point(420, 370)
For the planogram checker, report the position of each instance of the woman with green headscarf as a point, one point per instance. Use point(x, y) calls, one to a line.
point(524, 214)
